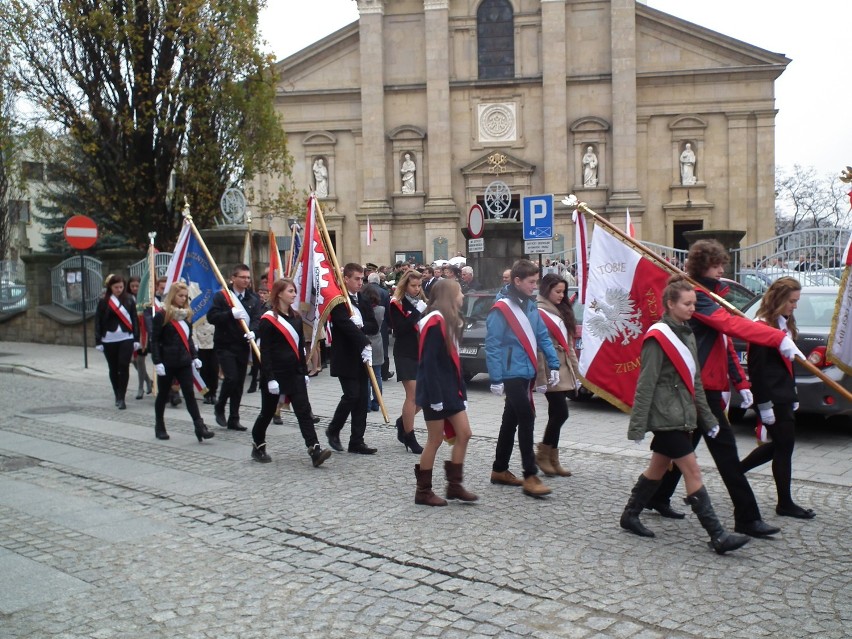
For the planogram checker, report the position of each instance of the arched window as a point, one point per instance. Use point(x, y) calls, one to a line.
point(495, 35)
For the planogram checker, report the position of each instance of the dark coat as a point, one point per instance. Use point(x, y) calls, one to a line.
point(228, 333)
point(167, 346)
point(771, 380)
point(404, 324)
point(438, 379)
point(107, 321)
point(277, 359)
point(347, 340)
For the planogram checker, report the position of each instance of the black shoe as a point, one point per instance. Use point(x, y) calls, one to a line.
point(410, 441)
point(756, 528)
point(315, 419)
point(318, 454)
point(389, 375)
point(175, 400)
point(400, 431)
point(140, 394)
point(120, 405)
point(276, 419)
point(259, 454)
point(210, 399)
point(361, 449)
point(252, 388)
point(234, 424)
point(220, 419)
point(334, 441)
point(160, 429)
point(796, 511)
point(665, 510)
point(149, 387)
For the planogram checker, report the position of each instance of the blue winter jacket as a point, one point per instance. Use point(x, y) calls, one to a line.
point(504, 354)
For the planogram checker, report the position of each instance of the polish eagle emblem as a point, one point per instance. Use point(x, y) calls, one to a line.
point(614, 317)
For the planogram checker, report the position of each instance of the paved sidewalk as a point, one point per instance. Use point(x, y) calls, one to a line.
point(106, 532)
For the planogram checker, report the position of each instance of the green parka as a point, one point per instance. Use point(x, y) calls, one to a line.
point(663, 401)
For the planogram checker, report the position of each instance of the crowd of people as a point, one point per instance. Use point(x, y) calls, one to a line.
point(687, 368)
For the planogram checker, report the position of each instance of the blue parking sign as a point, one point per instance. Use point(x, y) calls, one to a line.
point(537, 212)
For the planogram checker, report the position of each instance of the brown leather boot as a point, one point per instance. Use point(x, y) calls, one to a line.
point(557, 467)
point(455, 490)
point(505, 477)
point(543, 457)
point(424, 495)
point(534, 488)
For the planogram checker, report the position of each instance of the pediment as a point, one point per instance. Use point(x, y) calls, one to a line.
point(497, 163)
point(665, 43)
point(334, 61)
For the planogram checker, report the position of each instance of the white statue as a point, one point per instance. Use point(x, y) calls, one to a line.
point(687, 165)
point(321, 178)
point(408, 170)
point(590, 168)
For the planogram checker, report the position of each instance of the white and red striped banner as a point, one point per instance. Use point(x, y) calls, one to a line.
point(840, 336)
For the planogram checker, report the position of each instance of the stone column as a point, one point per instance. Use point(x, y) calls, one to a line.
point(625, 189)
point(438, 117)
point(373, 106)
point(555, 96)
point(738, 173)
point(761, 221)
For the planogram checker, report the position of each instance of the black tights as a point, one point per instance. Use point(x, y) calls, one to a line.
point(557, 415)
point(779, 451)
point(118, 356)
point(183, 376)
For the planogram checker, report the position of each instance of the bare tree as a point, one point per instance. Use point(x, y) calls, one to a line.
point(804, 199)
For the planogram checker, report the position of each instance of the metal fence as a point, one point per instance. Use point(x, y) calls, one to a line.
point(66, 283)
point(161, 265)
point(807, 249)
point(13, 288)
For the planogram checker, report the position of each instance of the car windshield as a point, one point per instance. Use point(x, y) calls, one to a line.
point(814, 312)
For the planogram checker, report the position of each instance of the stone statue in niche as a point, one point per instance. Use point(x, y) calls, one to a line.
point(409, 168)
point(687, 166)
point(590, 168)
point(320, 178)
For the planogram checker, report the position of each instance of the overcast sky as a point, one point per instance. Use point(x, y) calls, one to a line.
point(813, 96)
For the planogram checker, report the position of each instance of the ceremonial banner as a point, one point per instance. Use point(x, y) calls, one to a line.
point(623, 299)
point(276, 271)
point(840, 336)
point(191, 265)
point(580, 244)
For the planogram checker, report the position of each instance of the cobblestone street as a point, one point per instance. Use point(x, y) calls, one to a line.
point(107, 532)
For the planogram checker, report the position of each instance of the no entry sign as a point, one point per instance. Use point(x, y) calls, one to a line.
point(81, 232)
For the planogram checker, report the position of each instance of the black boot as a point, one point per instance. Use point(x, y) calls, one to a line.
point(160, 429)
point(664, 507)
point(210, 398)
point(174, 398)
point(639, 496)
point(234, 423)
point(400, 430)
point(201, 431)
point(318, 454)
point(410, 441)
point(259, 454)
point(720, 540)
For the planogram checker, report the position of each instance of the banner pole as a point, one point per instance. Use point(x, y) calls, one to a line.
point(152, 288)
point(338, 275)
point(624, 237)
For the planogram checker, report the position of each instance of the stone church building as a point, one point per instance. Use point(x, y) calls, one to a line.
point(423, 107)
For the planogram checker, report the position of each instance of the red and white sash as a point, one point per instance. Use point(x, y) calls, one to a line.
point(398, 304)
point(782, 324)
point(184, 334)
point(286, 329)
point(122, 313)
point(556, 326)
point(436, 319)
point(521, 327)
point(676, 351)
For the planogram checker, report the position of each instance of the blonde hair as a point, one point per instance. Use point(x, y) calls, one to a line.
point(442, 298)
point(169, 303)
point(402, 285)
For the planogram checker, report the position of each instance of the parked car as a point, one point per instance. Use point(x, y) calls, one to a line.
point(758, 280)
point(813, 319)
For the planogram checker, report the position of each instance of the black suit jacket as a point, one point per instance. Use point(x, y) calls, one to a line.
point(167, 346)
point(347, 340)
point(228, 333)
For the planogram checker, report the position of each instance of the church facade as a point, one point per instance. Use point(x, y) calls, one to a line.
point(422, 108)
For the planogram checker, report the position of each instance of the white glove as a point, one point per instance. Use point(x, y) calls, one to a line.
point(578, 384)
point(767, 415)
point(789, 349)
point(465, 404)
point(307, 381)
point(420, 306)
point(748, 398)
point(160, 369)
point(638, 442)
point(438, 406)
point(541, 389)
point(136, 346)
point(553, 380)
point(249, 336)
point(357, 320)
point(713, 432)
point(196, 362)
point(273, 388)
point(795, 406)
point(367, 355)
point(240, 314)
point(99, 348)
point(497, 389)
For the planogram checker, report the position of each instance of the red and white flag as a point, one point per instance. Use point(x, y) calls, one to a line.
point(631, 230)
point(623, 299)
point(840, 336)
point(581, 244)
point(305, 265)
point(370, 236)
point(276, 270)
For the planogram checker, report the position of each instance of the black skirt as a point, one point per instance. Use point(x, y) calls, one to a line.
point(433, 415)
point(406, 369)
point(674, 444)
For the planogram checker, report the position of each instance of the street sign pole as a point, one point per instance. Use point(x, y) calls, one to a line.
point(83, 309)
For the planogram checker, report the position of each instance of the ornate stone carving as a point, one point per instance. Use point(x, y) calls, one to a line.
point(498, 122)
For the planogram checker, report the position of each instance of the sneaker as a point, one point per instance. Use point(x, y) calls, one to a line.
point(318, 454)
